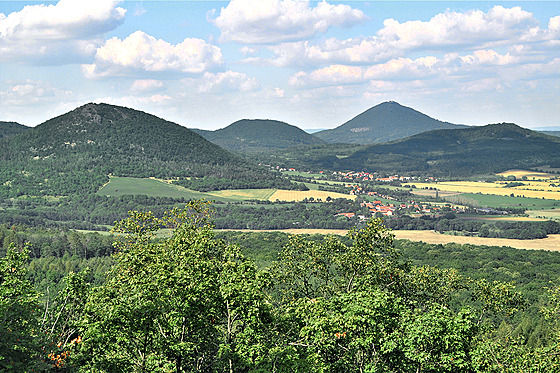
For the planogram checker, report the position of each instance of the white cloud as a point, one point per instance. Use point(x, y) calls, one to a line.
point(449, 32)
point(46, 30)
point(147, 85)
point(453, 28)
point(28, 92)
point(226, 82)
point(142, 52)
point(396, 69)
point(488, 57)
point(273, 21)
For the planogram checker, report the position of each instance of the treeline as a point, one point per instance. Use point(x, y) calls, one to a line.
point(290, 215)
point(240, 181)
point(57, 243)
point(192, 303)
point(80, 212)
point(525, 230)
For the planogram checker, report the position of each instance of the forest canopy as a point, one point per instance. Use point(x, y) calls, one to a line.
point(189, 302)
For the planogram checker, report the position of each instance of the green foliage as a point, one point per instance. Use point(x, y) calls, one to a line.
point(187, 302)
point(19, 315)
point(445, 152)
point(10, 129)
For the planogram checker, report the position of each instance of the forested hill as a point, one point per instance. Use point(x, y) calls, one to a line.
point(387, 121)
point(10, 129)
point(75, 153)
point(460, 152)
point(255, 135)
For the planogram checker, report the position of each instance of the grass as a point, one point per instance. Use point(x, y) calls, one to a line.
point(496, 201)
point(303, 174)
point(119, 186)
point(545, 214)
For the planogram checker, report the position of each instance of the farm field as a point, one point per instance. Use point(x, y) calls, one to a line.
point(528, 173)
point(297, 195)
point(496, 201)
point(244, 194)
point(551, 243)
point(493, 189)
point(119, 186)
point(545, 214)
point(495, 218)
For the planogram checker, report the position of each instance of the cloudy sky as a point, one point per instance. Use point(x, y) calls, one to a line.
point(205, 64)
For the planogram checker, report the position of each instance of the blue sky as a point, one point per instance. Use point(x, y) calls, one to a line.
point(206, 64)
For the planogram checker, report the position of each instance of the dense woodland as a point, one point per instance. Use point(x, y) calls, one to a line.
point(73, 154)
point(191, 301)
point(450, 153)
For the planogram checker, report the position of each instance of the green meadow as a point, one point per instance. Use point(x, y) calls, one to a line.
point(119, 186)
point(495, 201)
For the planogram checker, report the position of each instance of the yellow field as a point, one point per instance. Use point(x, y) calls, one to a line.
point(551, 243)
point(495, 189)
point(244, 194)
point(530, 174)
point(298, 195)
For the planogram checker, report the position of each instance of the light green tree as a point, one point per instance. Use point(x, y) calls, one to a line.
point(181, 302)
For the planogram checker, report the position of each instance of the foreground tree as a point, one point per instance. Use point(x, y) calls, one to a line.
point(360, 308)
point(186, 302)
point(20, 312)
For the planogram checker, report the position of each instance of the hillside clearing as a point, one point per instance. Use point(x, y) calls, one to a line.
point(120, 186)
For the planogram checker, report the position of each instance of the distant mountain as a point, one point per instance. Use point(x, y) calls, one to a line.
point(547, 128)
point(551, 133)
point(459, 152)
point(75, 152)
point(387, 121)
point(256, 135)
point(10, 129)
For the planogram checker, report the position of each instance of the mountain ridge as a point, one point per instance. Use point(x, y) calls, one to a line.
point(76, 151)
point(384, 122)
point(256, 135)
point(10, 129)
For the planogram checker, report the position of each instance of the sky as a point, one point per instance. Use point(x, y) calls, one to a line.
point(206, 64)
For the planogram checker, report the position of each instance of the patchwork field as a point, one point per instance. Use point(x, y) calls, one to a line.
point(119, 186)
point(493, 189)
point(298, 195)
